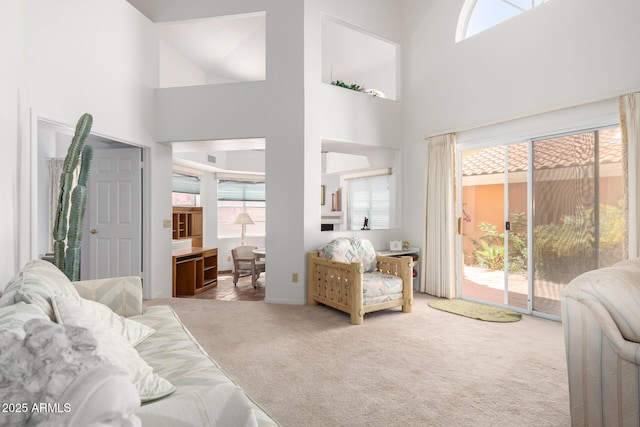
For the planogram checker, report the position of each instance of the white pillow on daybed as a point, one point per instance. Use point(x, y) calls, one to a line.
point(112, 345)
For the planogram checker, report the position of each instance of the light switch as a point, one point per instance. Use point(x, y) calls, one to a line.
point(294, 277)
point(166, 223)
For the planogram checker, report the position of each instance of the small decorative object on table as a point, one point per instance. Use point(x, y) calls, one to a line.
point(395, 245)
point(365, 225)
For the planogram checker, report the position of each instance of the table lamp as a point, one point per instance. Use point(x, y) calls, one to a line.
point(243, 219)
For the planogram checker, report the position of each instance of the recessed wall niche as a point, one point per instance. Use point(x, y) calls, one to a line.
point(357, 57)
point(224, 49)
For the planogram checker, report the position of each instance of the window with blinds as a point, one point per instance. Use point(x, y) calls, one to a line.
point(369, 197)
point(185, 190)
point(235, 197)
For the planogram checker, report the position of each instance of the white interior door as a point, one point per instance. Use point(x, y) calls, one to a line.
point(114, 213)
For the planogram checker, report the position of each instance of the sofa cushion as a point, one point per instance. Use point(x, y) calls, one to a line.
point(14, 316)
point(351, 249)
point(37, 283)
point(113, 346)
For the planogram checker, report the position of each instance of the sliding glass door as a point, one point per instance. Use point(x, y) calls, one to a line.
point(493, 225)
point(536, 214)
point(579, 219)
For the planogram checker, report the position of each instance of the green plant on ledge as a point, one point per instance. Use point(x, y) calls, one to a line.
point(69, 261)
point(355, 87)
point(373, 92)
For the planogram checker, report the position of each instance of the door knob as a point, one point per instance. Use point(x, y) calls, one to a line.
point(93, 231)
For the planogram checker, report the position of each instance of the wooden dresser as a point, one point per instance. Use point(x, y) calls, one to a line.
point(195, 270)
point(187, 224)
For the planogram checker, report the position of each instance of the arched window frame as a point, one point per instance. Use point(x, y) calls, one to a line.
point(468, 9)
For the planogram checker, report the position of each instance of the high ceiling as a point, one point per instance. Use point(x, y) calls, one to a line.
point(233, 49)
point(227, 49)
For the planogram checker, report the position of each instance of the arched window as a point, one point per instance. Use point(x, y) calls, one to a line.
point(479, 15)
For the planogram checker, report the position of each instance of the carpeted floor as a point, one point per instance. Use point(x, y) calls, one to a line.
point(307, 366)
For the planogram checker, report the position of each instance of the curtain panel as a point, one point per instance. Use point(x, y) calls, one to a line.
point(439, 257)
point(629, 108)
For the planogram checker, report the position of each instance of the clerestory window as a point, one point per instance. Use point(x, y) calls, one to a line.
point(479, 15)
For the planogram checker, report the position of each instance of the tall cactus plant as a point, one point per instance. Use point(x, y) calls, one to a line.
point(69, 219)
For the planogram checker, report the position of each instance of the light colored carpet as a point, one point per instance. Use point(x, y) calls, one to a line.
point(307, 366)
point(475, 310)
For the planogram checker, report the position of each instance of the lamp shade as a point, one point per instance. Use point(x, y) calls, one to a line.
point(243, 218)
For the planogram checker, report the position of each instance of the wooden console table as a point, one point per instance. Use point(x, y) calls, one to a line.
point(194, 270)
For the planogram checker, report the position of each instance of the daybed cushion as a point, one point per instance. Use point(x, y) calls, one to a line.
point(115, 347)
point(37, 283)
point(351, 249)
point(177, 356)
point(14, 316)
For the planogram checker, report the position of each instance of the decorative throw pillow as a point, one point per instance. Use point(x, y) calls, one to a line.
point(37, 283)
point(345, 249)
point(132, 331)
point(114, 347)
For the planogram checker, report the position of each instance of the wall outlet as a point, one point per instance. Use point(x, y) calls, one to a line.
point(294, 277)
point(166, 223)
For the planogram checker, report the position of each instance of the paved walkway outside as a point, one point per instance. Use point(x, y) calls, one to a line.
point(488, 285)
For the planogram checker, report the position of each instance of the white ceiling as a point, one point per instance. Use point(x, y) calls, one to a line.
point(227, 48)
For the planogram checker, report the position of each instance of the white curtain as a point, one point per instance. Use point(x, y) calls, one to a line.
point(55, 171)
point(629, 106)
point(439, 256)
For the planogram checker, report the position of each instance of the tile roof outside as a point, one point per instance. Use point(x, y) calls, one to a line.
point(560, 152)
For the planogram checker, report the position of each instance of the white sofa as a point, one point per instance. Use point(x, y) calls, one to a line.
point(197, 392)
point(601, 321)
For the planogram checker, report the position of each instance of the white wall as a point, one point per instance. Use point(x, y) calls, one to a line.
point(339, 114)
point(271, 109)
point(561, 54)
point(77, 63)
point(13, 59)
point(355, 57)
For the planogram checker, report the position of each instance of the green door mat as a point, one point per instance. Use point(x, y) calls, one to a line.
point(475, 310)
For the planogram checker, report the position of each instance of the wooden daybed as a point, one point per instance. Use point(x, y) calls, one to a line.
point(340, 284)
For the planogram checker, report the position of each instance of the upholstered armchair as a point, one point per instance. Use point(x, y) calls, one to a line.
point(244, 261)
point(601, 321)
point(349, 276)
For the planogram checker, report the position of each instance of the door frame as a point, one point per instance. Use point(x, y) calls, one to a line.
point(31, 185)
